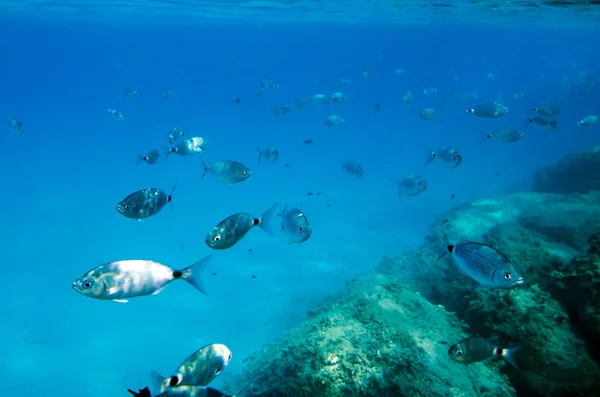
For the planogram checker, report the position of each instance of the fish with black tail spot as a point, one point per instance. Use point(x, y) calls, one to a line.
point(477, 349)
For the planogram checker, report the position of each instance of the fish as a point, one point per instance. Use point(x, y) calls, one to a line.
point(488, 267)
point(333, 120)
point(122, 280)
point(268, 84)
point(427, 114)
point(476, 349)
point(301, 102)
point(308, 142)
point(408, 98)
point(174, 135)
point(270, 153)
point(16, 126)
point(489, 110)
point(547, 110)
point(280, 109)
point(338, 97)
point(295, 225)
point(181, 391)
point(226, 171)
point(412, 185)
point(321, 99)
point(588, 120)
point(150, 158)
point(233, 228)
point(189, 147)
point(505, 135)
point(377, 106)
point(167, 94)
point(116, 114)
point(145, 203)
point(131, 93)
point(236, 101)
point(199, 369)
point(449, 157)
point(353, 169)
point(546, 123)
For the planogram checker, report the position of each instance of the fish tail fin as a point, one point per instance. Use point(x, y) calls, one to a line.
point(167, 153)
point(156, 381)
point(145, 392)
point(260, 154)
point(485, 138)
point(431, 157)
point(446, 247)
point(204, 168)
point(170, 198)
point(265, 219)
point(192, 273)
point(399, 190)
point(528, 122)
point(138, 159)
point(509, 355)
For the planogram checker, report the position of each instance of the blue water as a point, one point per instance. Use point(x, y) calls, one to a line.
point(63, 177)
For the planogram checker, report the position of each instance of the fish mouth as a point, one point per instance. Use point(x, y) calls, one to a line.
point(120, 209)
point(75, 286)
point(520, 281)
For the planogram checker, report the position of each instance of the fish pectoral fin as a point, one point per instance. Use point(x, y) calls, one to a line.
point(158, 291)
point(121, 300)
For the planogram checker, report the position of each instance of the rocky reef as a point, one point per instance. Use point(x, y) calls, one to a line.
point(388, 332)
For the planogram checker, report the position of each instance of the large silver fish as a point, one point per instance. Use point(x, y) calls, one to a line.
point(476, 349)
point(233, 228)
point(412, 185)
point(181, 391)
point(145, 203)
point(295, 225)
point(226, 171)
point(448, 156)
point(188, 147)
point(483, 264)
point(489, 110)
point(545, 123)
point(199, 369)
point(122, 280)
point(507, 135)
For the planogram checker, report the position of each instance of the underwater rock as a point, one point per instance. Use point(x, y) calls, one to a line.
point(576, 173)
point(376, 338)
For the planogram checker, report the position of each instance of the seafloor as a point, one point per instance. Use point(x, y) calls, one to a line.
point(387, 333)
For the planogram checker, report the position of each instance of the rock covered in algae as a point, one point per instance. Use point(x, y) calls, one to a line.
point(377, 338)
point(576, 173)
point(539, 233)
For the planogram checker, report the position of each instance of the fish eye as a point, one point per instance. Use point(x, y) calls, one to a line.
point(87, 284)
point(217, 238)
point(243, 172)
point(173, 381)
point(301, 229)
point(458, 353)
point(127, 206)
point(507, 276)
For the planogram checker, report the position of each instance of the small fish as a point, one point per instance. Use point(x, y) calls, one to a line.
point(489, 110)
point(122, 280)
point(253, 276)
point(16, 126)
point(408, 98)
point(364, 75)
point(338, 97)
point(353, 169)
point(412, 185)
point(321, 99)
point(116, 114)
point(483, 264)
point(333, 120)
point(546, 123)
point(270, 153)
point(588, 120)
point(280, 109)
point(377, 106)
point(174, 135)
point(145, 203)
point(249, 249)
point(449, 157)
point(189, 147)
point(233, 228)
point(267, 84)
point(166, 94)
point(295, 225)
point(505, 135)
point(199, 369)
point(429, 91)
point(226, 171)
point(476, 349)
point(150, 158)
point(310, 194)
point(427, 114)
point(131, 94)
point(308, 142)
point(300, 103)
point(453, 195)
point(287, 166)
point(400, 71)
point(181, 391)
point(236, 101)
point(547, 110)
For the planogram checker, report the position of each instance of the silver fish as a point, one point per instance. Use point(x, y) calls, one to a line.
point(412, 185)
point(353, 169)
point(333, 120)
point(547, 110)
point(476, 349)
point(233, 228)
point(150, 158)
point(174, 135)
point(295, 225)
point(483, 264)
point(505, 135)
point(166, 94)
point(338, 97)
point(199, 369)
point(449, 157)
point(427, 114)
point(181, 391)
point(546, 123)
point(16, 126)
point(188, 147)
point(270, 153)
point(122, 280)
point(267, 84)
point(131, 93)
point(145, 203)
point(588, 120)
point(116, 114)
point(226, 171)
point(280, 109)
point(321, 99)
point(489, 110)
